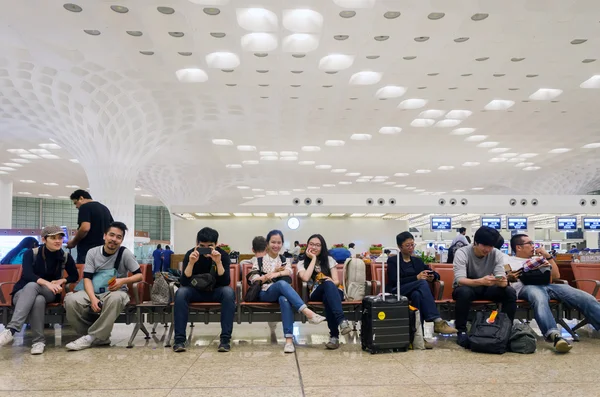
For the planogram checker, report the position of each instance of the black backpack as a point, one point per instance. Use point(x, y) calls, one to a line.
point(490, 338)
point(452, 250)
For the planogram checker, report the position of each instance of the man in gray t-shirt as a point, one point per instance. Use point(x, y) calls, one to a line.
point(479, 275)
point(93, 313)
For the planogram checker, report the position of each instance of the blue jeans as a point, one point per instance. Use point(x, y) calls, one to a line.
point(185, 295)
point(332, 298)
point(420, 296)
point(539, 295)
point(288, 298)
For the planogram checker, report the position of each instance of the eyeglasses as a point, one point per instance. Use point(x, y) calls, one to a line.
point(527, 243)
point(316, 245)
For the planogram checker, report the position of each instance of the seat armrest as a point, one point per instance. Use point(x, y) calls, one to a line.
point(440, 286)
point(304, 291)
point(596, 288)
point(2, 299)
point(377, 287)
point(238, 292)
point(559, 281)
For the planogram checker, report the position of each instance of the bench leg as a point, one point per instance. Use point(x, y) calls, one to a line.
point(136, 328)
point(145, 331)
point(582, 323)
point(562, 322)
point(170, 334)
point(154, 328)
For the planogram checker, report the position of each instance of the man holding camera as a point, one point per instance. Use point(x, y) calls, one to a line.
point(205, 278)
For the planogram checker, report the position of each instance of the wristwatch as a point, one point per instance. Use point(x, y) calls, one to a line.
point(548, 258)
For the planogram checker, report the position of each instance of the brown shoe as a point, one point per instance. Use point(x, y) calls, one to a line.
point(428, 345)
point(442, 327)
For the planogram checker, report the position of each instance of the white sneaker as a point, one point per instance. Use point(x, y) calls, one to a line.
point(316, 319)
point(289, 348)
point(6, 337)
point(37, 348)
point(98, 342)
point(82, 343)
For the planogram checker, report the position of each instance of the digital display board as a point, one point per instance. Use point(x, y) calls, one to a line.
point(516, 223)
point(495, 222)
point(441, 223)
point(555, 246)
point(564, 223)
point(591, 224)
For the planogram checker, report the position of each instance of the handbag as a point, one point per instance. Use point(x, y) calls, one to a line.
point(536, 272)
point(287, 279)
point(101, 278)
point(205, 282)
point(160, 293)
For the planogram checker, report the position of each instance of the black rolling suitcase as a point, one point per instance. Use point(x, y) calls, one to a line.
point(385, 323)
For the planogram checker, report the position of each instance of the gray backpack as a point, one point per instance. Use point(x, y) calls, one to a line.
point(355, 277)
point(522, 339)
point(160, 293)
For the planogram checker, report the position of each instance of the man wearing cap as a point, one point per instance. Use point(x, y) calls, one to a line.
point(41, 282)
point(94, 310)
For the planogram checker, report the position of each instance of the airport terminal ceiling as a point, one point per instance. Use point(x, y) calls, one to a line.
point(211, 103)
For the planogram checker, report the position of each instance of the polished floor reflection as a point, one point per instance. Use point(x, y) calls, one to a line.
point(257, 366)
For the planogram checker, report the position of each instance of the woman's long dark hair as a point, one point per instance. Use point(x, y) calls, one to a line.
point(322, 259)
point(27, 242)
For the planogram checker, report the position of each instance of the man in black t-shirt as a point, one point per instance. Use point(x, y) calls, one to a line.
point(93, 220)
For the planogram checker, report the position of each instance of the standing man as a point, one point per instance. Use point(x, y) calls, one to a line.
point(166, 258)
point(352, 250)
point(157, 260)
point(93, 220)
point(461, 237)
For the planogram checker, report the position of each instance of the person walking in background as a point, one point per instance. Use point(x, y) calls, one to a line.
point(15, 255)
point(352, 250)
point(93, 220)
point(166, 258)
point(157, 259)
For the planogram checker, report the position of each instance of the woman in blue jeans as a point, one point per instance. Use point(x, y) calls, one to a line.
point(319, 270)
point(274, 290)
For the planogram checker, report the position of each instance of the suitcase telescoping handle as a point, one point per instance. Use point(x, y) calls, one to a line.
point(384, 257)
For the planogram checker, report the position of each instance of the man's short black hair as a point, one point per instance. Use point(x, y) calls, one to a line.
point(259, 244)
point(462, 230)
point(500, 242)
point(351, 245)
point(515, 240)
point(119, 225)
point(207, 235)
point(402, 237)
point(81, 193)
point(158, 247)
point(296, 243)
point(167, 247)
point(486, 236)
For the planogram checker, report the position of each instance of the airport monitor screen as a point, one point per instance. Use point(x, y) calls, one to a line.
point(494, 222)
point(516, 223)
point(591, 224)
point(441, 223)
point(566, 223)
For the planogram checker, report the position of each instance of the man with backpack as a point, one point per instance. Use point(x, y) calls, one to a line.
point(205, 278)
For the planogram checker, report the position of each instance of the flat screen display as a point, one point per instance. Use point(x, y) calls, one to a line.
point(66, 230)
point(564, 223)
point(555, 246)
point(441, 223)
point(495, 222)
point(516, 223)
point(591, 224)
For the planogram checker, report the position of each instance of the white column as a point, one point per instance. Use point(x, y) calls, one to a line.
point(402, 226)
point(591, 239)
point(6, 197)
point(172, 237)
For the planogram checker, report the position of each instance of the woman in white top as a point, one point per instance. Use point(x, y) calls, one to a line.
point(324, 285)
point(277, 288)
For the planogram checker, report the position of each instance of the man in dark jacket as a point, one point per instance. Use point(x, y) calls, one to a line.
point(205, 258)
point(415, 277)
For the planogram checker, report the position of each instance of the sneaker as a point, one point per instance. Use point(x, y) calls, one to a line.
point(462, 339)
point(345, 328)
point(289, 348)
point(103, 342)
point(224, 346)
point(428, 345)
point(561, 345)
point(316, 319)
point(80, 344)
point(179, 347)
point(333, 343)
point(37, 348)
point(6, 337)
point(442, 327)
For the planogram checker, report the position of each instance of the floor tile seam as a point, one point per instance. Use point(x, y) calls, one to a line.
point(192, 364)
point(299, 374)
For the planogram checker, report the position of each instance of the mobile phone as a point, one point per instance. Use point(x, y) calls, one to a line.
point(204, 251)
point(499, 277)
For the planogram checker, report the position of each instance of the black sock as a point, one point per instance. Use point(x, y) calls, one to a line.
point(12, 331)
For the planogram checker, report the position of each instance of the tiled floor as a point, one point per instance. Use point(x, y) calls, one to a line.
point(258, 367)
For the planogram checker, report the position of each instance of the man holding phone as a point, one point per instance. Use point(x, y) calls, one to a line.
point(479, 275)
point(205, 278)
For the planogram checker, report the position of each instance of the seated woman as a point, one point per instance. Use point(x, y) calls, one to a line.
point(324, 286)
point(414, 283)
point(15, 255)
point(279, 290)
point(41, 283)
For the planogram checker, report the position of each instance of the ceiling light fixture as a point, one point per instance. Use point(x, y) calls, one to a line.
point(119, 9)
point(499, 104)
point(246, 148)
point(422, 123)
point(347, 14)
point(191, 75)
point(222, 142)
point(233, 166)
point(72, 7)
point(365, 78)
point(361, 137)
point(390, 130)
point(92, 32)
point(390, 91)
point(409, 104)
point(591, 146)
point(488, 144)
point(545, 94)
point(165, 10)
point(559, 150)
point(479, 16)
point(476, 138)
point(334, 142)
point(470, 164)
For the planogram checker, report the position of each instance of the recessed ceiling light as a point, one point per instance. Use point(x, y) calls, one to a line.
point(479, 16)
point(341, 37)
point(92, 32)
point(381, 38)
point(39, 151)
point(313, 187)
point(545, 94)
point(250, 162)
point(26, 181)
point(448, 123)
point(334, 142)
point(243, 187)
point(488, 144)
point(323, 167)
point(13, 165)
point(446, 167)
point(7, 169)
point(499, 150)
point(246, 148)
point(345, 183)
point(233, 166)
point(410, 188)
point(44, 195)
point(119, 9)
point(353, 174)
point(222, 142)
point(499, 104)
point(390, 91)
point(17, 151)
point(211, 11)
point(592, 82)
point(191, 75)
point(497, 160)
point(458, 114)
point(365, 78)
point(422, 171)
point(391, 14)
point(509, 155)
point(165, 10)
point(521, 165)
point(588, 60)
point(482, 59)
point(147, 52)
point(578, 41)
point(477, 188)
point(269, 158)
point(559, 150)
point(134, 33)
point(288, 153)
point(357, 215)
point(591, 146)
point(399, 185)
point(288, 158)
point(185, 54)
point(50, 184)
point(409, 58)
point(372, 56)
point(24, 193)
point(29, 156)
point(533, 168)
point(73, 186)
point(412, 104)
point(336, 62)
point(220, 214)
point(329, 185)
point(463, 131)
point(461, 39)
point(458, 191)
point(390, 130)
point(222, 60)
point(399, 174)
point(470, 164)
point(72, 7)
point(432, 114)
point(389, 183)
point(528, 155)
point(22, 161)
point(476, 138)
point(361, 137)
point(310, 148)
point(339, 170)
point(347, 13)
point(434, 16)
point(306, 162)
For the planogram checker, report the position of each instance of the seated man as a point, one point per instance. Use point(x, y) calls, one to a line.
point(414, 283)
point(94, 310)
point(540, 295)
point(479, 275)
point(205, 258)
